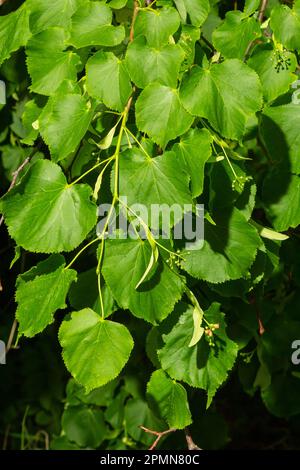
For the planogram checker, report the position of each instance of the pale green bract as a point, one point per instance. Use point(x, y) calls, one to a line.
point(44, 214)
point(94, 350)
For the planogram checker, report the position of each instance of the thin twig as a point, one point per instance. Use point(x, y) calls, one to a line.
point(159, 435)
point(18, 171)
point(190, 443)
point(11, 335)
point(135, 12)
point(262, 10)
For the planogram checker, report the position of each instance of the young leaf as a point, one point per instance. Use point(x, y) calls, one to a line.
point(94, 350)
point(159, 113)
point(169, 400)
point(44, 214)
point(40, 295)
point(221, 94)
point(108, 80)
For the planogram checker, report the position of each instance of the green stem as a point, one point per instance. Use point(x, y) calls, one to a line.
point(91, 169)
point(114, 200)
point(81, 251)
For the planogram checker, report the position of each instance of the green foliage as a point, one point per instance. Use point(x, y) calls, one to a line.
point(138, 104)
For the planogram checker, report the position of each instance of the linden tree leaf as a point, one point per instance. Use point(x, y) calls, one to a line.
point(251, 6)
point(14, 32)
point(47, 64)
point(226, 94)
point(234, 35)
point(228, 251)
point(64, 122)
point(40, 295)
point(197, 10)
point(159, 113)
point(94, 350)
point(264, 60)
point(29, 117)
point(285, 23)
point(91, 26)
point(45, 214)
point(84, 425)
point(156, 297)
point(195, 149)
point(154, 181)
point(47, 13)
point(157, 25)
point(113, 88)
point(169, 400)
point(203, 365)
point(279, 130)
point(159, 65)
